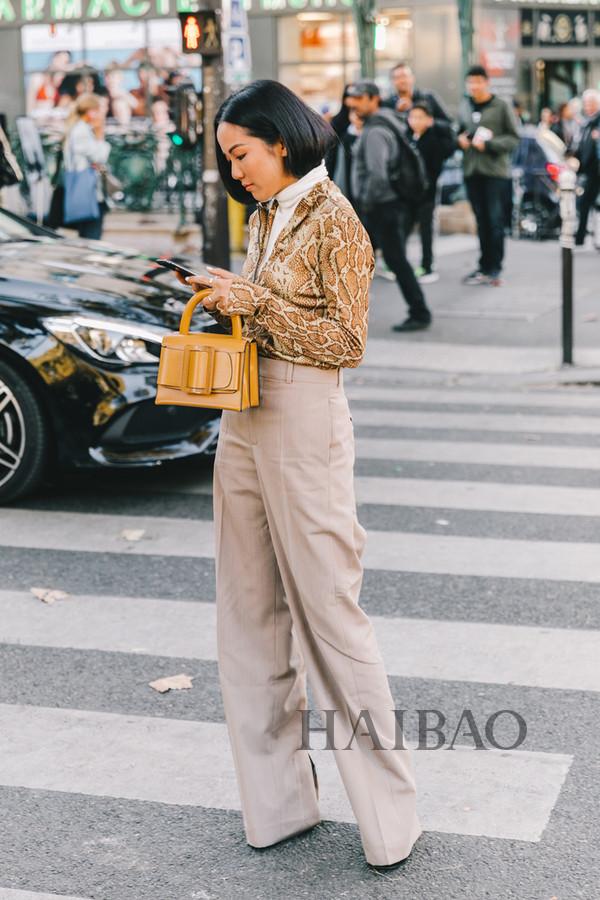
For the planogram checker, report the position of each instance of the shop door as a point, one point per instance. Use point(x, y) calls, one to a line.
point(562, 80)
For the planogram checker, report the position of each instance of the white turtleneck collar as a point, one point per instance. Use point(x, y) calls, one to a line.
point(291, 195)
point(287, 201)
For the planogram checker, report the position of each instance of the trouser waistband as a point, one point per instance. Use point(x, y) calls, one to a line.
point(282, 370)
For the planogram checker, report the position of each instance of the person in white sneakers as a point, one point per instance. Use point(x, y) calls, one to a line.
point(434, 141)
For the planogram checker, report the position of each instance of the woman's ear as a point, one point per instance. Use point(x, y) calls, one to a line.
point(281, 148)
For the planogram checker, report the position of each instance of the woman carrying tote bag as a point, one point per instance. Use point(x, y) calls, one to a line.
point(288, 542)
point(85, 153)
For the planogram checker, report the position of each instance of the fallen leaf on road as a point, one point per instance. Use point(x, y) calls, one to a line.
point(532, 437)
point(47, 595)
point(590, 317)
point(172, 683)
point(133, 534)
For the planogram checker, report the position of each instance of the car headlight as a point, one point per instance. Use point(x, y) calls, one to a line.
point(116, 341)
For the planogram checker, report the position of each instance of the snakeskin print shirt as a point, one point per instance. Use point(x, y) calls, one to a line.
point(309, 305)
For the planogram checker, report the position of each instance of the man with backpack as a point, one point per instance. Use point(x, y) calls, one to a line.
point(388, 179)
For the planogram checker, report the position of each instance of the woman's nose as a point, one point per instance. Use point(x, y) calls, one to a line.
point(236, 172)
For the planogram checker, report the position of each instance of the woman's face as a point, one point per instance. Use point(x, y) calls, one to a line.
point(94, 116)
point(257, 165)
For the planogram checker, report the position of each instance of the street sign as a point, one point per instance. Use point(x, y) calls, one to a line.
point(200, 33)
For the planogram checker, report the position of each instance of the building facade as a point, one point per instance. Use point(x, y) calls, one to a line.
point(311, 45)
point(542, 51)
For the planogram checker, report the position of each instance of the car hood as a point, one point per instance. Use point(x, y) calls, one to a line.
point(70, 276)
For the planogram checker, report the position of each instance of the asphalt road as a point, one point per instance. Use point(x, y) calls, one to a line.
point(483, 581)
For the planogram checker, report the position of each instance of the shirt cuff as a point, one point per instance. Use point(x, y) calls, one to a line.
point(243, 299)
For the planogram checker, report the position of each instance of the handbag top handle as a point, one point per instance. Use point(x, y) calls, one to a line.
point(186, 316)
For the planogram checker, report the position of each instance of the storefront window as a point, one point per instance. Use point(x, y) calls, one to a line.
point(319, 86)
point(133, 63)
point(310, 37)
point(48, 54)
point(318, 55)
point(393, 37)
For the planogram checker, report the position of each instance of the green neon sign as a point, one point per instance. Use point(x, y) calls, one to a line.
point(22, 12)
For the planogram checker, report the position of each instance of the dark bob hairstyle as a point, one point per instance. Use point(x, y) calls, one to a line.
point(270, 111)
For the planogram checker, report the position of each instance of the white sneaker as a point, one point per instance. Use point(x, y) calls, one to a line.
point(382, 271)
point(428, 277)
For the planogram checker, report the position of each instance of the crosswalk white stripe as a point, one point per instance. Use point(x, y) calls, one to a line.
point(566, 399)
point(508, 794)
point(563, 659)
point(507, 422)
point(453, 555)
point(393, 550)
point(427, 492)
point(11, 894)
point(473, 453)
point(484, 496)
point(469, 358)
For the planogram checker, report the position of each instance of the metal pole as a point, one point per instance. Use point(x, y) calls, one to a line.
point(365, 19)
point(215, 233)
point(465, 23)
point(567, 182)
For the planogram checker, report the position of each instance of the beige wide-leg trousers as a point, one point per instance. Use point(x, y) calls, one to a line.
point(288, 568)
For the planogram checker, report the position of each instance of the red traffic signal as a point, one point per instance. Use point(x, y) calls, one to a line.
point(200, 33)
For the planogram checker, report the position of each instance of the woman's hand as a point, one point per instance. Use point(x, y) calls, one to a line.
point(219, 282)
point(199, 284)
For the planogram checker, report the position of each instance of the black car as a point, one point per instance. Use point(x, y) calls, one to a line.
point(81, 325)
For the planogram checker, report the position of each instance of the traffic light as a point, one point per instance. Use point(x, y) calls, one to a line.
point(200, 33)
point(187, 109)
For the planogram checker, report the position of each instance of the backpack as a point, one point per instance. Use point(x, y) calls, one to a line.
point(408, 177)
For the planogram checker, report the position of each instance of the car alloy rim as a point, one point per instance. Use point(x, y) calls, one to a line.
point(12, 434)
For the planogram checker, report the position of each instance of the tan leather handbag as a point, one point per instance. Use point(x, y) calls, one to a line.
point(217, 371)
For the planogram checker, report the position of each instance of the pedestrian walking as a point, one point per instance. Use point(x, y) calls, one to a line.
point(288, 542)
point(565, 126)
point(488, 135)
point(338, 160)
point(406, 94)
point(86, 152)
point(588, 154)
point(340, 123)
point(388, 179)
point(434, 142)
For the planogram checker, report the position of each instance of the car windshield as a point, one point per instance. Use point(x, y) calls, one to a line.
point(15, 229)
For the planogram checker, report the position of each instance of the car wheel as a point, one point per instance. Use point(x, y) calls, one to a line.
point(23, 436)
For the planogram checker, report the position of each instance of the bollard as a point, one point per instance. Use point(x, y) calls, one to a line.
point(237, 220)
point(567, 181)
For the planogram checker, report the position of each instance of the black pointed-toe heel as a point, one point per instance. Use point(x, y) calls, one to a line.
point(314, 773)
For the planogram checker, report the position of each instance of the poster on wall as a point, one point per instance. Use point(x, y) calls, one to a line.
point(499, 35)
point(237, 56)
point(135, 64)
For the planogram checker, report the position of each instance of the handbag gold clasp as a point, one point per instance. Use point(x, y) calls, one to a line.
point(199, 369)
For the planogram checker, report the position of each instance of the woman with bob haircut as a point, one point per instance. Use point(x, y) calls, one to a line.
point(288, 542)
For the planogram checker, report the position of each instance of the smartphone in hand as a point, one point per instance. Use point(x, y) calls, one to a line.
point(182, 270)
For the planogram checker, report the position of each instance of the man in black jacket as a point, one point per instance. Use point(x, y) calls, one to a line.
point(386, 217)
point(406, 95)
point(588, 154)
point(434, 142)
